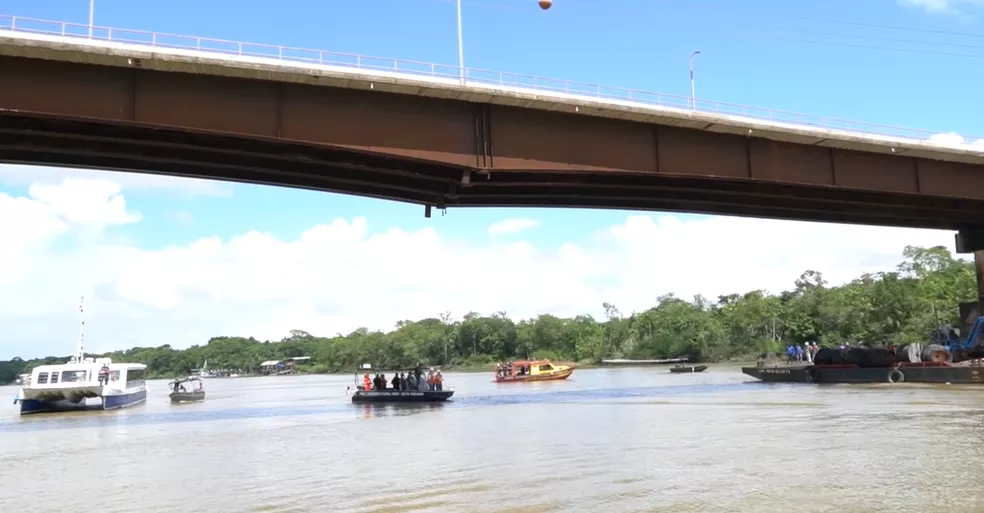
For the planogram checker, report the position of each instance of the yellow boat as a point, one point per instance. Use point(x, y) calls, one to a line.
point(532, 370)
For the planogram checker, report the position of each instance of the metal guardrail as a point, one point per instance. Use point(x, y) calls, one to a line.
point(423, 69)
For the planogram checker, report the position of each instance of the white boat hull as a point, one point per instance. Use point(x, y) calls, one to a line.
point(80, 398)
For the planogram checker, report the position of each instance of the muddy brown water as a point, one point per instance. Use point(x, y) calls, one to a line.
point(611, 440)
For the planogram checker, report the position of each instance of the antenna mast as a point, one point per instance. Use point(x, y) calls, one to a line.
point(80, 350)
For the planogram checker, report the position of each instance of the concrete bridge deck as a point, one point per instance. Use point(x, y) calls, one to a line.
point(25, 37)
point(415, 132)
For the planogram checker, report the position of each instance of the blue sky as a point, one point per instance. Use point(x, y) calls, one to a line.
point(784, 55)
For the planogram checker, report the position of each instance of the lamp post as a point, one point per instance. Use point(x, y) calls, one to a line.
point(461, 47)
point(693, 97)
point(92, 14)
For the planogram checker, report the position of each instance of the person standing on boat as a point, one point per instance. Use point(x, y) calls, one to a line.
point(366, 382)
point(376, 382)
point(382, 381)
point(403, 381)
point(438, 381)
point(104, 375)
point(396, 382)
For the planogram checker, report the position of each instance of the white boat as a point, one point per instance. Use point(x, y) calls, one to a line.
point(205, 373)
point(83, 383)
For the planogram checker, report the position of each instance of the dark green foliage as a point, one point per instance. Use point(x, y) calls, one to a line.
point(894, 307)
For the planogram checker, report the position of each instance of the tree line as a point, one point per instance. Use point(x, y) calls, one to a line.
point(901, 306)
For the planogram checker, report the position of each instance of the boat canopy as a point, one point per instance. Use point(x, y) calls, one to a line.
point(525, 363)
point(368, 368)
point(194, 380)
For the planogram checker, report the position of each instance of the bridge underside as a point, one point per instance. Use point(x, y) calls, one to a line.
point(84, 143)
point(451, 153)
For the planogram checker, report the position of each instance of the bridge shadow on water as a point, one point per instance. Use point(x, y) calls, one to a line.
point(136, 418)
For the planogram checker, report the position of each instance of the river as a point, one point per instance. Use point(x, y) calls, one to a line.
point(612, 440)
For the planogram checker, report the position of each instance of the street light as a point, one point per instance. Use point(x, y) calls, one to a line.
point(92, 13)
point(693, 97)
point(544, 4)
point(461, 48)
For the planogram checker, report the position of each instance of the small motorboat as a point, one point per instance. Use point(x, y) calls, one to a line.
point(417, 389)
point(688, 368)
point(187, 390)
point(532, 370)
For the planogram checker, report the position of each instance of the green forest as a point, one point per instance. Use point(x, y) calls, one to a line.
point(900, 306)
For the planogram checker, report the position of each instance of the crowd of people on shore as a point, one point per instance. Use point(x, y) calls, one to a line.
point(415, 380)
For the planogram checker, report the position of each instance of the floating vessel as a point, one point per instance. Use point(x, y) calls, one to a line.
point(946, 360)
point(417, 391)
point(204, 372)
point(688, 368)
point(532, 370)
point(970, 372)
point(190, 389)
point(83, 383)
point(633, 363)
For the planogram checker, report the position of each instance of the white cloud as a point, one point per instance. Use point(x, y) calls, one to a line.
point(511, 226)
point(338, 276)
point(955, 140)
point(16, 174)
point(929, 5)
point(941, 6)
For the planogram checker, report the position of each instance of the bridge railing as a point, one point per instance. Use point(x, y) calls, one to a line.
point(469, 75)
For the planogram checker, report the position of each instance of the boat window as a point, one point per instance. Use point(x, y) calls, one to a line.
point(135, 377)
point(545, 367)
point(54, 378)
point(71, 376)
point(42, 378)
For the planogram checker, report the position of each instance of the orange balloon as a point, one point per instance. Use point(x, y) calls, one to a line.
point(545, 4)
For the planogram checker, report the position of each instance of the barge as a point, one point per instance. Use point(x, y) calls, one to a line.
point(969, 372)
point(679, 369)
point(418, 387)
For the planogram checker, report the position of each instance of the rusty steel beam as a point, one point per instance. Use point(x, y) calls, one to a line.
point(448, 152)
point(81, 143)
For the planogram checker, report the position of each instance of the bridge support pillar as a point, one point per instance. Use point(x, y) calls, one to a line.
point(971, 240)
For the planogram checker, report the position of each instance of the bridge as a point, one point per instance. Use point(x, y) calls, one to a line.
point(438, 136)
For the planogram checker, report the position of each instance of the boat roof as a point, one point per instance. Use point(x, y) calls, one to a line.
point(185, 380)
point(371, 370)
point(86, 366)
point(530, 362)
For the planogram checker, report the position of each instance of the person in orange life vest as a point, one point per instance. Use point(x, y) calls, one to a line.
point(438, 381)
point(366, 382)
